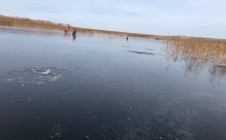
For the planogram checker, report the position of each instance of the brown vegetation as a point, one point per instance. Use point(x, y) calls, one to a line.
point(39, 24)
point(198, 54)
point(25, 22)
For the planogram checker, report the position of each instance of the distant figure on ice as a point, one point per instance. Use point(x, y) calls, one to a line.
point(127, 38)
point(66, 29)
point(74, 32)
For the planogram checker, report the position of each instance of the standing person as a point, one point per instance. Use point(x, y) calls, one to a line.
point(74, 32)
point(66, 30)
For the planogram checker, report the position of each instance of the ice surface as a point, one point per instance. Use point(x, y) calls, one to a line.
point(46, 72)
point(35, 75)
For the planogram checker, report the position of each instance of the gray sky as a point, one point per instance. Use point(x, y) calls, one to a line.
point(206, 18)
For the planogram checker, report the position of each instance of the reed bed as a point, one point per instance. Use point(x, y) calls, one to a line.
point(28, 23)
point(198, 54)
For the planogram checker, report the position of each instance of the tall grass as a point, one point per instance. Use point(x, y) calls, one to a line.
point(25, 22)
point(198, 54)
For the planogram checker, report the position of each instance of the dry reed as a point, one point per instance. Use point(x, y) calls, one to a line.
point(198, 54)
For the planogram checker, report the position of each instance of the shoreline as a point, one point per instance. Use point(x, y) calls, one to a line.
point(47, 25)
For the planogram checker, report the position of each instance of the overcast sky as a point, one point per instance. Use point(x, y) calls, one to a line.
point(206, 18)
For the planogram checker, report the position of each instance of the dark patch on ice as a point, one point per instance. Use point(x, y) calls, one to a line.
point(145, 53)
point(148, 49)
point(35, 75)
point(220, 66)
point(126, 46)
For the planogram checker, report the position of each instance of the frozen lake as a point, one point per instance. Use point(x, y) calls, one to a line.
point(103, 87)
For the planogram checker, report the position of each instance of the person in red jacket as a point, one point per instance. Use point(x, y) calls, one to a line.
point(66, 30)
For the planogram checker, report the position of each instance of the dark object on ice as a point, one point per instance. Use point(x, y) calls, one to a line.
point(127, 38)
point(146, 53)
point(74, 32)
point(126, 46)
point(220, 66)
